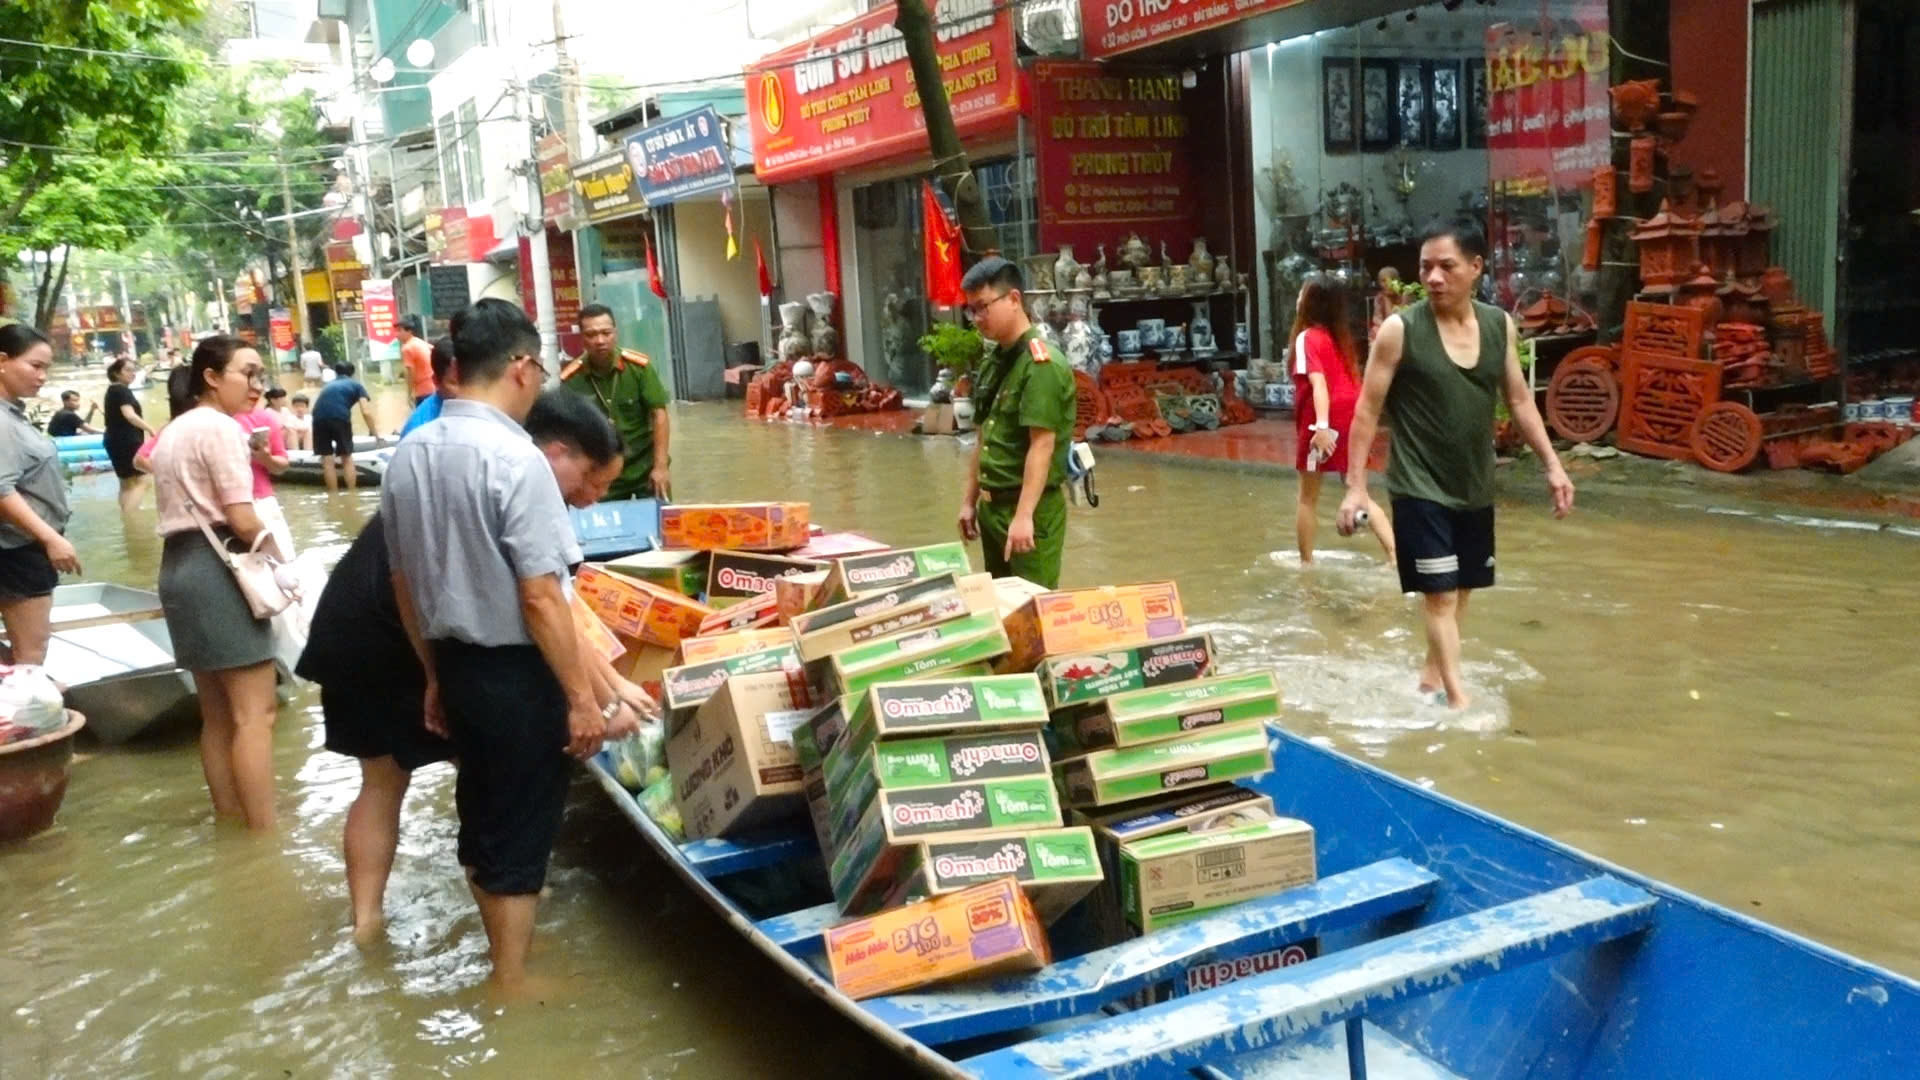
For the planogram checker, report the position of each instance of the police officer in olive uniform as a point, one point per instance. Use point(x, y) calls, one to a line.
point(624, 384)
point(1024, 395)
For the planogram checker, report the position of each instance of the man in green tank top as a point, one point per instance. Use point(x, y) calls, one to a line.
point(1024, 397)
point(1436, 372)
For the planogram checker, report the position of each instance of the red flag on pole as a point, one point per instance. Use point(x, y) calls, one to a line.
point(653, 272)
point(943, 251)
point(760, 263)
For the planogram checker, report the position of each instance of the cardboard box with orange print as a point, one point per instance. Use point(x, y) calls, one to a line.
point(636, 609)
point(699, 650)
point(1080, 620)
point(797, 594)
point(592, 630)
point(989, 929)
point(756, 613)
point(735, 526)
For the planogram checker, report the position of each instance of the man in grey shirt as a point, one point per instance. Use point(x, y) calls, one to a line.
point(480, 544)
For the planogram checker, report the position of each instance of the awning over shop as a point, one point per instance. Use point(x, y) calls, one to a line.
point(847, 98)
point(1149, 31)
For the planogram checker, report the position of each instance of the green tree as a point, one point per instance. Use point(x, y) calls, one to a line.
point(87, 203)
point(78, 77)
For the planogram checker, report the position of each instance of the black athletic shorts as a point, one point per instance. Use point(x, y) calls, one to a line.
point(508, 719)
point(332, 438)
point(26, 572)
point(373, 721)
point(1442, 549)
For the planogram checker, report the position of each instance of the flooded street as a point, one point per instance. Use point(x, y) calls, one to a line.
point(1723, 700)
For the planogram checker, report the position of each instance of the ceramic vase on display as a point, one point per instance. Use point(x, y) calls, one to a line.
point(1173, 339)
point(1135, 252)
point(1083, 280)
point(1201, 261)
point(1082, 343)
point(1241, 338)
point(1202, 322)
point(1065, 268)
point(963, 410)
point(794, 340)
point(1177, 279)
point(1099, 261)
point(1104, 351)
point(1223, 275)
point(826, 339)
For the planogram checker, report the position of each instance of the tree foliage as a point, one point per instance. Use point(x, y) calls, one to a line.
point(71, 86)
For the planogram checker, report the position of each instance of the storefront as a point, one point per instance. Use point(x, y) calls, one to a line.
point(708, 219)
point(839, 137)
point(1361, 130)
point(614, 243)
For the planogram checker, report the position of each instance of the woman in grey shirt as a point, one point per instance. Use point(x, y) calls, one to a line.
point(33, 499)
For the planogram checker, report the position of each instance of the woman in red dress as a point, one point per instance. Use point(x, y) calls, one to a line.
point(1326, 386)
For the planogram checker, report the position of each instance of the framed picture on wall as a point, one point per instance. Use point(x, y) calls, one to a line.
point(1410, 103)
point(1476, 94)
point(1339, 120)
point(1443, 104)
point(1377, 105)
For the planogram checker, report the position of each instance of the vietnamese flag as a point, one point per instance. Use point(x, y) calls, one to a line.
point(760, 264)
point(653, 273)
point(943, 251)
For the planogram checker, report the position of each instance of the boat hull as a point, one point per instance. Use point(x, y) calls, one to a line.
point(33, 780)
point(1691, 990)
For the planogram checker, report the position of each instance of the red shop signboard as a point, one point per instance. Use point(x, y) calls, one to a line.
point(1111, 27)
point(847, 96)
point(1548, 113)
point(1113, 156)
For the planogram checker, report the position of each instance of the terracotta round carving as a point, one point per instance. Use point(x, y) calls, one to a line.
point(1726, 438)
point(1583, 400)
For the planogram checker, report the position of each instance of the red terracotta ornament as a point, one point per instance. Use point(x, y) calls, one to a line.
point(1606, 192)
point(1640, 162)
point(1590, 256)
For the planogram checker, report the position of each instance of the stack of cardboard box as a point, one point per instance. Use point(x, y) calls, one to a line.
point(1148, 738)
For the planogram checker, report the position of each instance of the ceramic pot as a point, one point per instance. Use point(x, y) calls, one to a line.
point(1201, 261)
point(1129, 344)
point(1135, 252)
point(1152, 332)
point(1177, 279)
point(1223, 275)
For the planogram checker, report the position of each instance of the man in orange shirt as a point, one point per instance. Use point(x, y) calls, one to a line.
point(418, 356)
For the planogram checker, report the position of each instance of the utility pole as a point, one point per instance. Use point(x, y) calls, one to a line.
point(542, 267)
point(293, 249)
point(570, 120)
point(951, 169)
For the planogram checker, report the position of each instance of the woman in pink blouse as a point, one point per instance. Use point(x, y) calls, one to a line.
point(203, 474)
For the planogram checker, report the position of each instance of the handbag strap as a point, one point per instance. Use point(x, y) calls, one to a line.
point(226, 554)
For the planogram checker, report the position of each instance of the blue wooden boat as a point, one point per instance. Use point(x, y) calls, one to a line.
point(1450, 944)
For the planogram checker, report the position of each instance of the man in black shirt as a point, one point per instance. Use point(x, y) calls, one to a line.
point(68, 420)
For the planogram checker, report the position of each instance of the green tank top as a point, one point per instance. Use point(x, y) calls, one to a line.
point(1441, 414)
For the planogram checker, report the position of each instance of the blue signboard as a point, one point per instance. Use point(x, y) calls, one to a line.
point(682, 157)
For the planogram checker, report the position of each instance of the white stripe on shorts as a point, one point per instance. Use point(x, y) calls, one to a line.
point(1445, 564)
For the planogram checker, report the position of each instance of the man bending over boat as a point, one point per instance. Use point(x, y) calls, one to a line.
point(481, 545)
point(1437, 369)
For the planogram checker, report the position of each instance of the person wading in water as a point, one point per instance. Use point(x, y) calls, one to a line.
point(1436, 372)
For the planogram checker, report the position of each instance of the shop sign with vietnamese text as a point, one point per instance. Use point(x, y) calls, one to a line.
point(847, 96)
point(606, 188)
point(1111, 27)
point(1113, 156)
point(381, 310)
point(682, 157)
point(280, 328)
point(1547, 108)
point(556, 180)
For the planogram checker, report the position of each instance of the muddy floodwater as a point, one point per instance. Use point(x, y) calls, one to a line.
point(1721, 697)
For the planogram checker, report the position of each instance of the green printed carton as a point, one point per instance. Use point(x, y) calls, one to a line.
point(956, 643)
point(903, 764)
point(684, 572)
point(943, 705)
point(685, 689)
point(1145, 716)
point(858, 575)
point(1105, 777)
point(863, 869)
point(1056, 867)
point(1086, 678)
